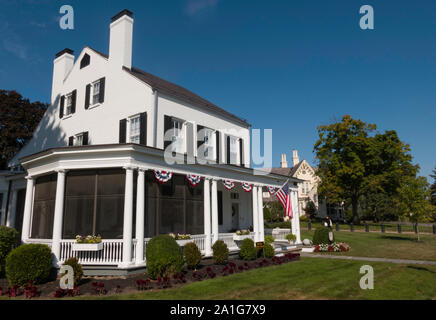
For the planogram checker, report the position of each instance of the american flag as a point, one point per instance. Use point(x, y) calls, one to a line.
point(285, 198)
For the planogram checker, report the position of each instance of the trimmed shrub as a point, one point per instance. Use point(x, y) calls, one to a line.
point(220, 252)
point(248, 250)
point(29, 262)
point(164, 257)
point(9, 239)
point(269, 239)
point(77, 268)
point(269, 250)
point(192, 254)
point(321, 236)
point(291, 237)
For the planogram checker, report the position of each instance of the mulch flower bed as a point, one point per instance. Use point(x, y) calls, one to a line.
point(110, 285)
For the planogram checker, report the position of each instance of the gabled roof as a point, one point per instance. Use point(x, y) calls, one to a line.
point(177, 91)
point(287, 171)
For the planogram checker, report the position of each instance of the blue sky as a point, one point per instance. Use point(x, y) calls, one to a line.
point(283, 65)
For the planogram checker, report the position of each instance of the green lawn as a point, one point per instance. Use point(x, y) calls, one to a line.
point(385, 245)
point(310, 278)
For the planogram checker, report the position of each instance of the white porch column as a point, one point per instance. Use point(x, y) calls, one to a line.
point(10, 222)
point(140, 209)
point(207, 226)
point(260, 216)
point(58, 216)
point(215, 229)
point(255, 214)
point(25, 233)
point(297, 217)
point(128, 218)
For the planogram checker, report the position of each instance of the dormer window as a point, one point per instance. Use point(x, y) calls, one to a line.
point(85, 61)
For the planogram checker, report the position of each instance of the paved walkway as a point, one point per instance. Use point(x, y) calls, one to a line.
point(402, 261)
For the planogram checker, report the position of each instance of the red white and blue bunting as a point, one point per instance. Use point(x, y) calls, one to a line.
point(163, 176)
point(193, 179)
point(247, 186)
point(229, 184)
point(271, 190)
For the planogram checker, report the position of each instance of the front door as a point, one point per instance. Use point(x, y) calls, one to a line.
point(235, 216)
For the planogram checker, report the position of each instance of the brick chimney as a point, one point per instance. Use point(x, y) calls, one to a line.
point(283, 163)
point(295, 158)
point(120, 42)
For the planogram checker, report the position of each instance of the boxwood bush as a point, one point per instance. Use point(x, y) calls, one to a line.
point(269, 250)
point(9, 239)
point(321, 236)
point(269, 239)
point(29, 262)
point(220, 252)
point(192, 255)
point(248, 250)
point(164, 257)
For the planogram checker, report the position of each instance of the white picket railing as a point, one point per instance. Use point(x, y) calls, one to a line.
point(111, 254)
point(199, 240)
point(227, 238)
point(280, 234)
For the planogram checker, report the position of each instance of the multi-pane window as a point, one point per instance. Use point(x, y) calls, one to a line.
point(135, 128)
point(79, 140)
point(96, 92)
point(69, 105)
point(177, 135)
point(233, 150)
point(208, 144)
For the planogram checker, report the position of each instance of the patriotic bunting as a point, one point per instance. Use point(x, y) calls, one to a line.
point(163, 176)
point(271, 190)
point(193, 179)
point(228, 184)
point(247, 186)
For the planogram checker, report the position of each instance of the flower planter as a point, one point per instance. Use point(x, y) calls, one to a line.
point(183, 242)
point(87, 246)
point(240, 237)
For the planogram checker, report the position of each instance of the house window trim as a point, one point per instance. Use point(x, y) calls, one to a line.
point(70, 114)
point(182, 131)
point(93, 105)
point(236, 139)
point(210, 144)
point(128, 128)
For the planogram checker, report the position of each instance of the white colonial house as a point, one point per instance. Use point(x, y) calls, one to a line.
point(307, 188)
point(124, 154)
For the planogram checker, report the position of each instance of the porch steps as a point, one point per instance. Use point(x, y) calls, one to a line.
point(281, 247)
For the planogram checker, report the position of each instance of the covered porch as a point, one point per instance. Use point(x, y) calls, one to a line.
point(115, 191)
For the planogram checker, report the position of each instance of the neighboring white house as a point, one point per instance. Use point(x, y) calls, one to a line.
point(93, 164)
point(307, 189)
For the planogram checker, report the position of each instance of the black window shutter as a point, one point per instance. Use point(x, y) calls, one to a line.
point(143, 128)
point(102, 85)
point(73, 101)
point(228, 149)
point(123, 128)
point(61, 108)
point(217, 139)
point(87, 95)
point(200, 139)
point(241, 152)
point(167, 126)
point(85, 138)
point(71, 141)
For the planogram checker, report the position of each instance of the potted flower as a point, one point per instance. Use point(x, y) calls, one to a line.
point(291, 238)
point(181, 238)
point(88, 243)
point(241, 235)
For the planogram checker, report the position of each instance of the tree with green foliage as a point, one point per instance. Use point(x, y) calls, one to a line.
point(18, 119)
point(273, 212)
point(354, 160)
point(310, 209)
point(433, 188)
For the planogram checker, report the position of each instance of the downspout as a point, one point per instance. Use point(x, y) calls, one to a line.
point(156, 117)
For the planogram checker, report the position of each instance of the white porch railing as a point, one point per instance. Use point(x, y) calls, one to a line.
point(111, 254)
point(280, 234)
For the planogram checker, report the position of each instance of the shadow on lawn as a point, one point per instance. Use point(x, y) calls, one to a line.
point(420, 269)
point(400, 238)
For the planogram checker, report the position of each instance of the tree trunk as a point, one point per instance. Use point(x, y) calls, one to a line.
point(354, 205)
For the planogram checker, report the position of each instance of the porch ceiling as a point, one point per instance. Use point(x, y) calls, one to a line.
point(139, 156)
